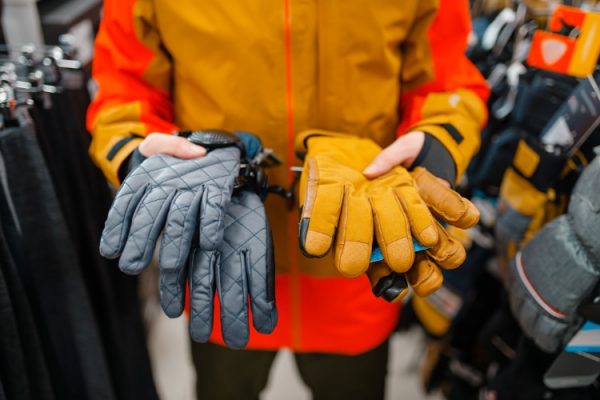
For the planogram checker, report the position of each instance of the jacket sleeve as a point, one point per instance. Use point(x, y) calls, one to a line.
point(444, 94)
point(559, 268)
point(133, 73)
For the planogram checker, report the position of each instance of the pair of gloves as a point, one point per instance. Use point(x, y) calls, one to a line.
point(214, 236)
point(218, 238)
point(342, 210)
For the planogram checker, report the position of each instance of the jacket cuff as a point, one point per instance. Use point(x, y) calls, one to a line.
point(116, 160)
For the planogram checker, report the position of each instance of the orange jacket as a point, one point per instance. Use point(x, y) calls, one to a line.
point(377, 69)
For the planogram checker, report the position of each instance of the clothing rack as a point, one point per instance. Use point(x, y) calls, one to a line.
point(72, 320)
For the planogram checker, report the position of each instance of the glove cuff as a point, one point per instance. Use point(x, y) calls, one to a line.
point(301, 142)
point(436, 159)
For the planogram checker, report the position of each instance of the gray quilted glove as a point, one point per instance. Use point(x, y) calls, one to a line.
point(186, 200)
point(242, 268)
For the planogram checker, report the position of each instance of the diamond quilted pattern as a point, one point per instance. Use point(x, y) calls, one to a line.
point(246, 270)
point(241, 268)
point(173, 196)
point(216, 241)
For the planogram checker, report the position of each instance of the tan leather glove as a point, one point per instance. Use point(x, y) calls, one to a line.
point(425, 277)
point(340, 205)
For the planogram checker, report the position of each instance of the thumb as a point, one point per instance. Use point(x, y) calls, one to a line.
point(403, 152)
point(174, 146)
point(389, 157)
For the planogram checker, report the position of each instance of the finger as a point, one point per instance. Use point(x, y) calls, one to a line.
point(422, 223)
point(392, 231)
point(424, 277)
point(118, 223)
point(174, 146)
point(354, 238)
point(259, 261)
point(387, 284)
point(445, 202)
point(320, 213)
point(213, 204)
point(180, 227)
point(203, 265)
point(146, 224)
point(387, 159)
point(448, 252)
point(232, 287)
point(172, 290)
point(403, 152)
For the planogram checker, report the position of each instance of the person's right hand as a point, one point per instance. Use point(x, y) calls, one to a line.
point(175, 146)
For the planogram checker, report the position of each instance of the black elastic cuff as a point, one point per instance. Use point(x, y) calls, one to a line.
point(436, 159)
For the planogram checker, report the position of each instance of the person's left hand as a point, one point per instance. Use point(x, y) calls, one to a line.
point(403, 152)
point(425, 275)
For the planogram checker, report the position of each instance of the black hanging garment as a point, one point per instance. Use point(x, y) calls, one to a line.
point(58, 296)
point(85, 198)
point(36, 368)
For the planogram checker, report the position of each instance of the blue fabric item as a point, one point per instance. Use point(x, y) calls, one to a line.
point(252, 144)
point(376, 254)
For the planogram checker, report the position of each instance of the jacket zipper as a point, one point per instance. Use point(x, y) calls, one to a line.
point(292, 245)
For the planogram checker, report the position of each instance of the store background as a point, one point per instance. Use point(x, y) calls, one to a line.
point(71, 24)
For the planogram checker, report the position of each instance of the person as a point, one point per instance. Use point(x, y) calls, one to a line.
point(394, 72)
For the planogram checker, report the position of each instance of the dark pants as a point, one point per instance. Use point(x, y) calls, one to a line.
point(242, 374)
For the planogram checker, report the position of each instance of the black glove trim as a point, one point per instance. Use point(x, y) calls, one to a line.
point(436, 159)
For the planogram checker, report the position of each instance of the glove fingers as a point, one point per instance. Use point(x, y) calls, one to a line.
point(172, 291)
point(354, 240)
point(422, 223)
point(320, 213)
point(259, 260)
point(232, 286)
point(385, 283)
point(202, 283)
point(147, 223)
point(445, 202)
point(392, 231)
point(181, 225)
point(118, 223)
point(213, 204)
point(424, 277)
point(449, 252)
